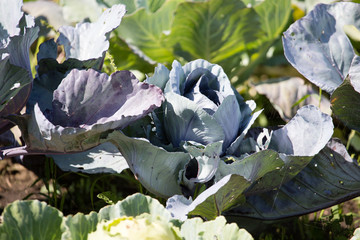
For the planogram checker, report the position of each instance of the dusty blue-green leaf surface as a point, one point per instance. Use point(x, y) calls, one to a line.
point(346, 105)
point(15, 41)
point(185, 121)
point(198, 96)
point(212, 202)
point(207, 158)
point(156, 169)
point(330, 178)
point(31, 220)
point(90, 40)
point(318, 47)
point(263, 170)
point(345, 101)
point(104, 158)
point(305, 135)
point(85, 105)
point(12, 80)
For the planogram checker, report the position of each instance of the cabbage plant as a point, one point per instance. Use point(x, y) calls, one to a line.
point(72, 104)
point(136, 217)
point(203, 147)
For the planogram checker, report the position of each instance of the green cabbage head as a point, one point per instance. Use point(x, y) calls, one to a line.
point(133, 228)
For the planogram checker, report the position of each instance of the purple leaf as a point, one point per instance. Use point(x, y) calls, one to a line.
point(86, 105)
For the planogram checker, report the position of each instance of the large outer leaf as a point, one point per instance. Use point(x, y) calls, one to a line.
point(318, 47)
point(89, 40)
point(104, 158)
point(31, 220)
point(157, 169)
point(145, 31)
point(295, 138)
point(330, 178)
point(214, 30)
point(86, 104)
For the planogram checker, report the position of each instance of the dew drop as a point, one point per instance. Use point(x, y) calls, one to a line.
point(315, 165)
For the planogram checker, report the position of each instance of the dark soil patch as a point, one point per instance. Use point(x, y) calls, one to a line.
point(17, 182)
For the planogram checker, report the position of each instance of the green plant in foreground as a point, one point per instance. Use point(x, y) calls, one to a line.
point(136, 217)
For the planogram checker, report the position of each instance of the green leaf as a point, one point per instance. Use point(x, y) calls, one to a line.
point(216, 229)
point(33, 220)
point(79, 226)
point(125, 58)
point(345, 103)
point(151, 6)
point(145, 32)
point(214, 30)
point(274, 15)
point(154, 167)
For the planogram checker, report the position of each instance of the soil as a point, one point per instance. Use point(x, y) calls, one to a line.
point(17, 182)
